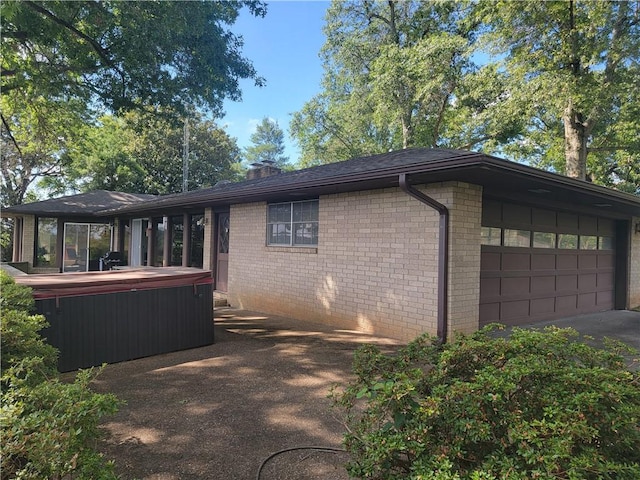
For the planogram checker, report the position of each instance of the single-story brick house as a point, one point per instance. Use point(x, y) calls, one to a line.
point(418, 240)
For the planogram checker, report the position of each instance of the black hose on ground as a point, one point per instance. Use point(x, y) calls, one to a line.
point(291, 449)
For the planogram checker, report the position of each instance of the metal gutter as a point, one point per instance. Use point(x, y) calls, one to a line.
point(443, 252)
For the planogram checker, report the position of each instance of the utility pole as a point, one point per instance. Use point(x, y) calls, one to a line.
point(185, 157)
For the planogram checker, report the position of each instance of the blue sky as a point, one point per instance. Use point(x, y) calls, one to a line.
point(284, 48)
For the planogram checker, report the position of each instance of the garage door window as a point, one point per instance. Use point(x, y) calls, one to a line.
point(544, 240)
point(491, 236)
point(605, 243)
point(517, 238)
point(588, 242)
point(567, 241)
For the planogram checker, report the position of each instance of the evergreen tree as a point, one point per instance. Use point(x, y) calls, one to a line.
point(268, 144)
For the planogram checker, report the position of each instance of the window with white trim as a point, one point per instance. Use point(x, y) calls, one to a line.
point(293, 224)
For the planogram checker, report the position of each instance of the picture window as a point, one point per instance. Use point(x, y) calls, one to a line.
point(293, 224)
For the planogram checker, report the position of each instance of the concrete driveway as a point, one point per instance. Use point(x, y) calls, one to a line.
point(623, 325)
point(219, 411)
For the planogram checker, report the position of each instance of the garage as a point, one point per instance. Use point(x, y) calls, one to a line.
point(541, 264)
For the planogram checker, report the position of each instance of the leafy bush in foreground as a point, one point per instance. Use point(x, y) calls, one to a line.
point(536, 405)
point(49, 428)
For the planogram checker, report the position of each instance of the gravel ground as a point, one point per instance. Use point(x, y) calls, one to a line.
point(218, 412)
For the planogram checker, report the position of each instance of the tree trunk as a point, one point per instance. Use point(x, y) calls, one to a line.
point(407, 132)
point(575, 144)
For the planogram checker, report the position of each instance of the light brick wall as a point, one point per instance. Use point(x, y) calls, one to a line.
point(634, 266)
point(465, 217)
point(375, 268)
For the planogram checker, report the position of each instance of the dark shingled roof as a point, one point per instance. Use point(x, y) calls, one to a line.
point(421, 165)
point(339, 176)
point(497, 176)
point(80, 204)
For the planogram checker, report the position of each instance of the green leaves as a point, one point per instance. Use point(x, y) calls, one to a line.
point(49, 427)
point(538, 404)
point(268, 144)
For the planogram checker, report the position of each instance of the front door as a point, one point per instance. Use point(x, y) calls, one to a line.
point(222, 252)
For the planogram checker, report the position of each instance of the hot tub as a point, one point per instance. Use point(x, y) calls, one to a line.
point(118, 315)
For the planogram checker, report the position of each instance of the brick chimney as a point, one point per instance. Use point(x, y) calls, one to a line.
point(266, 168)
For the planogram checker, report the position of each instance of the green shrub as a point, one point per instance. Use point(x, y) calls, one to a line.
point(14, 296)
point(536, 405)
point(49, 428)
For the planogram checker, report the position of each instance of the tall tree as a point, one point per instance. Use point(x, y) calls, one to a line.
point(36, 145)
point(268, 144)
point(574, 66)
point(397, 75)
point(113, 55)
point(142, 152)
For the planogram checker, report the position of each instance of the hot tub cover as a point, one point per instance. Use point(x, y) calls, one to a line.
point(62, 285)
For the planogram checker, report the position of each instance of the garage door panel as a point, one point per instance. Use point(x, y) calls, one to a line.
point(516, 214)
point(567, 283)
point(490, 311)
point(588, 224)
point(587, 261)
point(568, 221)
point(606, 260)
point(542, 306)
point(587, 301)
point(543, 284)
point(567, 261)
point(566, 304)
point(541, 261)
point(515, 309)
point(515, 285)
point(605, 280)
point(490, 287)
point(542, 217)
point(490, 261)
point(587, 282)
point(516, 261)
point(604, 300)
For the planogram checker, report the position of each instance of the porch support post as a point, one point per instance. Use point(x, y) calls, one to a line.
point(186, 239)
point(151, 242)
point(16, 255)
point(166, 247)
point(60, 245)
point(208, 257)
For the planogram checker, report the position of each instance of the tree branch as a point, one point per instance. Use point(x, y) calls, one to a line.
point(613, 149)
point(102, 52)
point(6, 125)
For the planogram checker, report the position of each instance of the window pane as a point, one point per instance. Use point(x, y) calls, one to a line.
point(305, 233)
point(279, 234)
point(76, 247)
point(47, 241)
point(544, 240)
point(588, 242)
point(605, 243)
point(197, 241)
point(517, 238)
point(305, 211)
point(279, 212)
point(99, 241)
point(567, 241)
point(490, 236)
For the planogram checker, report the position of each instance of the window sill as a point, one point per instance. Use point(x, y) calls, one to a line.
point(312, 250)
